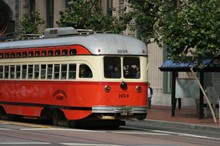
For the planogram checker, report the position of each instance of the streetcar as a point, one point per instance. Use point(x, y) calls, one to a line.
point(74, 75)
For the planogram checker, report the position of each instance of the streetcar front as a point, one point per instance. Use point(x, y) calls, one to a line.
point(123, 86)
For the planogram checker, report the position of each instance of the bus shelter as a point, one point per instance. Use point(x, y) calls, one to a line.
point(210, 65)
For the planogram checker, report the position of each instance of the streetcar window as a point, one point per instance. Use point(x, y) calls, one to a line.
point(131, 67)
point(112, 67)
point(31, 54)
point(63, 71)
point(6, 55)
point(24, 54)
point(56, 71)
point(18, 70)
point(57, 52)
point(72, 51)
point(12, 55)
point(49, 71)
point(1, 55)
point(43, 71)
point(6, 72)
point(12, 71)
point(1, 72)
point(72, 71)
point(18, 54)
point(24, 71)
point(30, 71)
point(44, 53)
point(37, 53)
point(64, 52)
point(50, 53)
point(85, 71)
point(36, 71)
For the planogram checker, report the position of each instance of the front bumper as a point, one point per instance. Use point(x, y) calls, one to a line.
point(119, 109)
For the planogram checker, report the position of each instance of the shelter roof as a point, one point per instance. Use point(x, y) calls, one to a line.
point(210, 65)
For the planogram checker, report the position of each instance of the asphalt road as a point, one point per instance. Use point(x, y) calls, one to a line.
point(135, 133)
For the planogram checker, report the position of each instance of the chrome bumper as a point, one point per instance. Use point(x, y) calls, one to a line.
point(119, 109)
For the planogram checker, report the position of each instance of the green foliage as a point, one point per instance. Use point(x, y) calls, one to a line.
point(190, 28)
point(29, 25)
point(88, 15)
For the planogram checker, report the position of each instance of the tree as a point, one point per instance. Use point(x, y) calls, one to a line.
point(189, 28)
point(29, 24)
point(88, 15)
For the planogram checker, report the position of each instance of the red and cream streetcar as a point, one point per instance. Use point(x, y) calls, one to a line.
point(73, 76)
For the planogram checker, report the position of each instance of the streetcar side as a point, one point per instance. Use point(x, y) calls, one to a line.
point(70, 79)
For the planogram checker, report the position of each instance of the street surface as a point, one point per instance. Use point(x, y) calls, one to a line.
point(135, 133)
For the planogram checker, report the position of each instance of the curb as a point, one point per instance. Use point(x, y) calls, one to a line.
point(179, 125)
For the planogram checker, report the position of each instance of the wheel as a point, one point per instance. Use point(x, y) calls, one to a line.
point(55, 117)
point(59, 119)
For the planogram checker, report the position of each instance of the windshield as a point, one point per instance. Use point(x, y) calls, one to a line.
point(130, 69)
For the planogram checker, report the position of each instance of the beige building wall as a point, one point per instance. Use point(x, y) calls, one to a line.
point(59, 5)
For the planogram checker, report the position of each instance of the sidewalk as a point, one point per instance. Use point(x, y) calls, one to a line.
point(186, 117)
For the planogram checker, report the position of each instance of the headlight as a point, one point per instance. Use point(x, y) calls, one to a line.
point(107, 88)
point(138, 89)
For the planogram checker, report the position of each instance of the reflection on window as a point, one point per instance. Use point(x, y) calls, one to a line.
point(18, 70)
point(64, 52)
point(6, 55)
point(49, 71)
point(63, 71)
point(6, 72)
point(12, 71)
point(72, 51)
point(30, 71)
point(57, 52)
point(12, 55)
point(44, 53)
point(112, 67)
point(1, 72)
point(43, 71)
point(24, 71)
point(72, 71)
point(36, 71)
point(18, 54)
point(24, 54)
point(85, 71)
point(37, 53)
point(50, 52)
point(31, 54)
point(56, 71)
point(131, 67)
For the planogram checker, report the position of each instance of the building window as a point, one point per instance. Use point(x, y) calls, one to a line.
point(109, 7)
point(50, 12)
point(32, 6)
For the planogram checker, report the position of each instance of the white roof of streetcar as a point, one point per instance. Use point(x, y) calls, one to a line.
point(96, 43)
